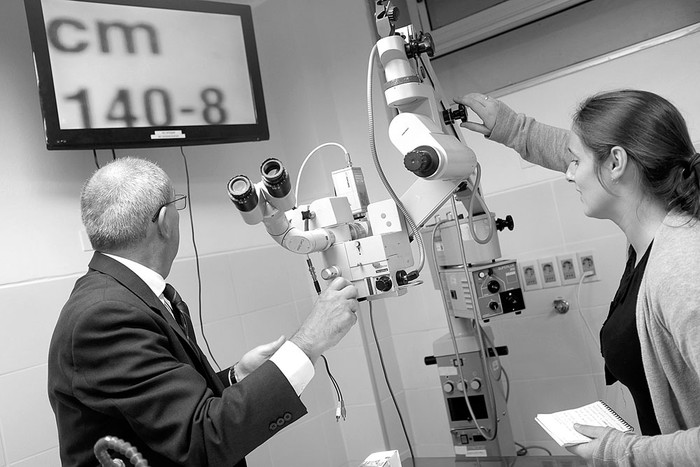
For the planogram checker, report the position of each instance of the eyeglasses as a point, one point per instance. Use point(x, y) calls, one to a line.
point(180, 202)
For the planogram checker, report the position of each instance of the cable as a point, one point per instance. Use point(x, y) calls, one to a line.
point(373, 148)
point(306, 159)
point(578, 304)
point(386, 379)
point(196, 258)
point(340, 411)
point(523, 449)
point(94, 155)
point(477, 196)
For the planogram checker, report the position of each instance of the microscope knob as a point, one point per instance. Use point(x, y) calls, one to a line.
point(448, 387)
point(475, 384)
point(383, 283)
point(493, 286)
point(423, 161)
point(392, 13)
point(506, 223)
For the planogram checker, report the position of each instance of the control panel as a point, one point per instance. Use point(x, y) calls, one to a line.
point(496, 289)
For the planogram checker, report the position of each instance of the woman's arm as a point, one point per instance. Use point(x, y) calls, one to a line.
point(536, 142)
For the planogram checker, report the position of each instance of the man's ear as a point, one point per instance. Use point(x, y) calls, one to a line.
point(163, 224)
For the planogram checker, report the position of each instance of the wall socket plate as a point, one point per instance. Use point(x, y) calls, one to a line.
point(569, 269)
point(587, 264)
point(530, 278)
point(549, 272)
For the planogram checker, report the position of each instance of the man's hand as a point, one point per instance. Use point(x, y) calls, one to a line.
point(256, 357)
point(330, 319)
point(485, 108)
point(586, 450)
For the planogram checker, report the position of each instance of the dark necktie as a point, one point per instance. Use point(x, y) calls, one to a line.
point(180, 311)
point(182, 316)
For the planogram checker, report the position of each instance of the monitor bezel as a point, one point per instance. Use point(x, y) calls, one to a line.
point(141, 137)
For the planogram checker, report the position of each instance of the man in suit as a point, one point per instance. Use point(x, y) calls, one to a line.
point(123, 360)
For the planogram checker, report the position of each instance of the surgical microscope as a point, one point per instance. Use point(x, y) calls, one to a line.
point(372, 243)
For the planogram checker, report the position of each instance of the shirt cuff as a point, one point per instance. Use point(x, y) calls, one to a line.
point(294, 365)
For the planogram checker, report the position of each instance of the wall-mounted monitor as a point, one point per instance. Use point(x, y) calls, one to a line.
point(146, 73)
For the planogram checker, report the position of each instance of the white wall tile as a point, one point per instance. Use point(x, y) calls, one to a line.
point(420, 309)
point(266, 325)
point(298, 445)
point(412, 350)
point(575, 225)
point(218, 298)
point(395, 434)
point(3, 459)
point(351, 370)
point(258, 280)
point(48, 458)
point(29, 314)
point(535, 219)
point(227, 341)
point(260, 457)
point(428, 406)
point(544, 347)
point(333, 441)
point(25, 409)
point(385, 368)
point(362, 433)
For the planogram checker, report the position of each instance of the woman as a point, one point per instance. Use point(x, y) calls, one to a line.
point(631, 158)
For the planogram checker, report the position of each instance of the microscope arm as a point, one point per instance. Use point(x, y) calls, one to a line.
point(295, 239)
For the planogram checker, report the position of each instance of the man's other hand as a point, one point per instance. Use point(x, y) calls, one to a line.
point(256, 357)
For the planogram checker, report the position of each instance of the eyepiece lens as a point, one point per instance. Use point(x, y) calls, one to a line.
point(239, 186)
point(275, 178)
point(241, 192)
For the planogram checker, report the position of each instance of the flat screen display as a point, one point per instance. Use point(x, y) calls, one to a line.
point(140, 73)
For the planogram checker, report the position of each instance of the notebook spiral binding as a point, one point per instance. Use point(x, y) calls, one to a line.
point(617, 416)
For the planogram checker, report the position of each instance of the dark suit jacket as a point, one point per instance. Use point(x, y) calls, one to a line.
point(120, 365)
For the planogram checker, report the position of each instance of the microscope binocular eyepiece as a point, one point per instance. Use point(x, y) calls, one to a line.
point(254, 201)
point(243, 194)
point(275, 178)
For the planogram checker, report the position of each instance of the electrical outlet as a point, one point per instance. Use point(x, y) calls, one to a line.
point(568, 266)
point(587, 264)
point(529, 276)
point(549, 272)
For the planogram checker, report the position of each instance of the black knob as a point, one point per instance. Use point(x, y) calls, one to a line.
point(422, 161)
point(503, 224)
point(493, 286)
point(383, 283)
point(430, 360)
point(493, 305)
point(392, 13)
point(450, 116)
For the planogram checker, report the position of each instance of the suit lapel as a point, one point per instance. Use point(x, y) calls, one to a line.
point(133, 282)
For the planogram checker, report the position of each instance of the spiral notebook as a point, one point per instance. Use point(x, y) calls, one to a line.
point(560, 425)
